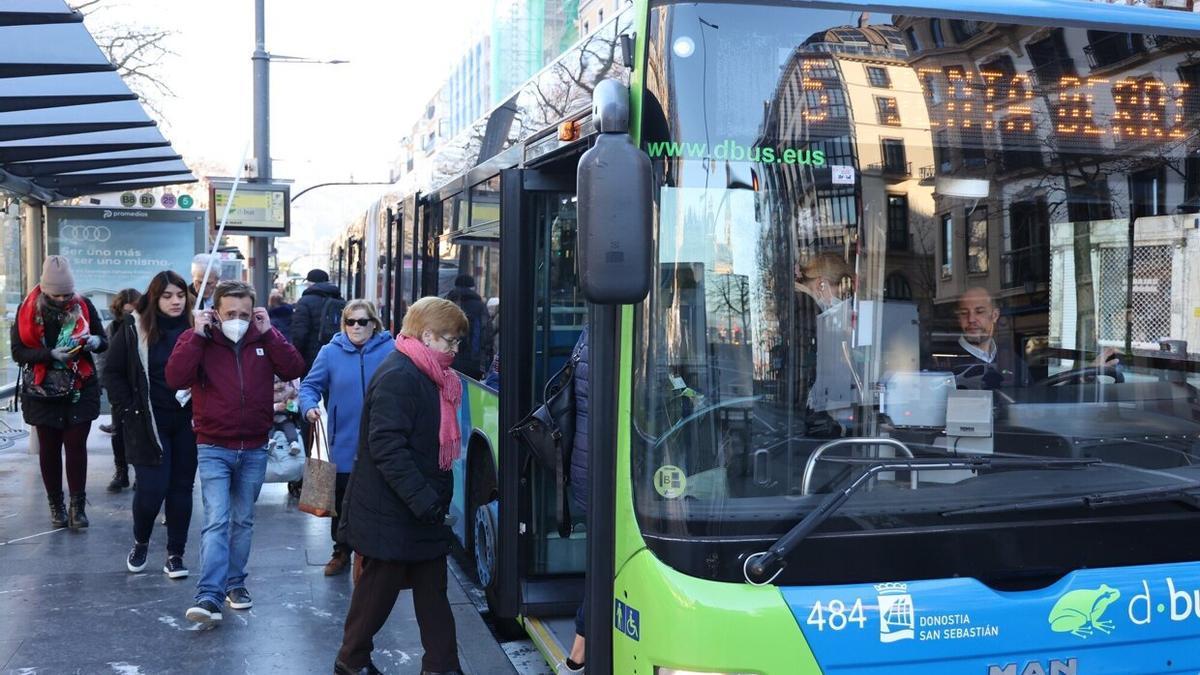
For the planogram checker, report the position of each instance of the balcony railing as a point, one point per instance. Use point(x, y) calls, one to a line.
point(1026, 266)
point(893, 51)
point(928, 172)
point(1050, 74)
point(1114, 48)
point(891, 168)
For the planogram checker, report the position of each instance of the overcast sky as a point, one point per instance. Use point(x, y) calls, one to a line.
point(328, 122)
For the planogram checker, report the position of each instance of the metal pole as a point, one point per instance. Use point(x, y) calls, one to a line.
point(34, 246)
point(32, 242)
point(260, 246)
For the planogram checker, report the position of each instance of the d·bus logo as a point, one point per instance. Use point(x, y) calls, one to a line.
point(1081, 612)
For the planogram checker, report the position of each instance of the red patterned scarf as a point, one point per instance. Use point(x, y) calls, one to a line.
point(76, 324)
point(436, 365)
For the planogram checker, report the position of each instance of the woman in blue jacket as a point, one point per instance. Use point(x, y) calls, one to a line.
point(340, 376)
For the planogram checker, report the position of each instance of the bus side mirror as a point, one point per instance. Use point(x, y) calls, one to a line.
point(615, 224)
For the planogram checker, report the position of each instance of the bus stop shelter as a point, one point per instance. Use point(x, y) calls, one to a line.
point(69, 127)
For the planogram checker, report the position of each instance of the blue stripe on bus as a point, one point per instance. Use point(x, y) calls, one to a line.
point(1116, 620)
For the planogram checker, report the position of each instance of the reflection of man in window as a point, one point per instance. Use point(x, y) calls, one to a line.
point(985, 365)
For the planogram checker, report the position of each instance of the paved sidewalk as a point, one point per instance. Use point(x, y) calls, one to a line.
point(67, 604)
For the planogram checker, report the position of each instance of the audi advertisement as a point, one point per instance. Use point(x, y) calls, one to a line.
point(115, 248)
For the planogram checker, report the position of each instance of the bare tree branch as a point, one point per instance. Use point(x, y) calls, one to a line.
point(86, 7)
point(136, 51)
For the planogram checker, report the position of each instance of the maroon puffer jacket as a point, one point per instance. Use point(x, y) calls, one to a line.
point(232, 385)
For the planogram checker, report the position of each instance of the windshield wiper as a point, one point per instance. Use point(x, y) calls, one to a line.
point(759, 564)
point(1184, 492)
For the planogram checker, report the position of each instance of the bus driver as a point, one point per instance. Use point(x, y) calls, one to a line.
point(983, 364)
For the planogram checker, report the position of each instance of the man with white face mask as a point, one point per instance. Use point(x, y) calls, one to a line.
point(230, 361)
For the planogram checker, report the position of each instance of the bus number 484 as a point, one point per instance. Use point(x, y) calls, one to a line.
point(835, 616)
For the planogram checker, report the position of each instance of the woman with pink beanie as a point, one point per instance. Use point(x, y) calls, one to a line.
point(56, 333)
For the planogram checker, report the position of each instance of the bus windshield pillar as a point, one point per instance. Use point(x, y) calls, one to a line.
point(603, 353)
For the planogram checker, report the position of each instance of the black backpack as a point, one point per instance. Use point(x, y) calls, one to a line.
point(330, 320)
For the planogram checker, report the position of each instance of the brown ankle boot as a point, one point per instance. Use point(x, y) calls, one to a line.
point(338, 563)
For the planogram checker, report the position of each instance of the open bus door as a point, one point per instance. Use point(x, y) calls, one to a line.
point(538, 574)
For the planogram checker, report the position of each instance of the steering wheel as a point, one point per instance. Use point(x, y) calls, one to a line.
point(1083, 375)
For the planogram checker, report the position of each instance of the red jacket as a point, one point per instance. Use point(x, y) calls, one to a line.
point(232, 385)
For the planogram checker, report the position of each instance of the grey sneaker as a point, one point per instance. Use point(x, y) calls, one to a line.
point(239, 598)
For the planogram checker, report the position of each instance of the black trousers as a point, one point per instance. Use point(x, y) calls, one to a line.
point(375, 595)
point(339, 494)
point(169, 483)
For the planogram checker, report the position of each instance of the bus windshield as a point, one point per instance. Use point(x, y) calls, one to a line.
point(966, 237)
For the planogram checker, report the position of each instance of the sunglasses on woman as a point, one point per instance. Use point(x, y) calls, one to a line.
point(359, 322)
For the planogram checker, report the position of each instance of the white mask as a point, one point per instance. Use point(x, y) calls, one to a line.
point(234, 329)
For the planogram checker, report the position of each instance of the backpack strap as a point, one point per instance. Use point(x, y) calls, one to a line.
point(319, 323)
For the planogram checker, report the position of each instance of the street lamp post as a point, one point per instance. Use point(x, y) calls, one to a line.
point(260, 247)
point(262, 141)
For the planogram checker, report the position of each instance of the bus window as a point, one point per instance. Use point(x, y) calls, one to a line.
point(561, 308)
point(558, 321)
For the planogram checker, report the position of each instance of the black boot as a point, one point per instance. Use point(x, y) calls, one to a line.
point(58, 512)
point(120, 479)
point(75, 514)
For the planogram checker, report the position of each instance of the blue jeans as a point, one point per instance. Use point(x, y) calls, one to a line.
point(230, 481)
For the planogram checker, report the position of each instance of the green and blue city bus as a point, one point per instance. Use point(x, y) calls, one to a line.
point(913, 387)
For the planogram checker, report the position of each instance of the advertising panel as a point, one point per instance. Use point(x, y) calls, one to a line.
point(111, 249)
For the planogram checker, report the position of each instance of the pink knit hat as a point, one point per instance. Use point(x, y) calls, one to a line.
point(56, 276)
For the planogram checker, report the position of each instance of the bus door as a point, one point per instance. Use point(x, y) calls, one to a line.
point(389, 242)
point(416, 209)
point(542, 314)
point(356, 278)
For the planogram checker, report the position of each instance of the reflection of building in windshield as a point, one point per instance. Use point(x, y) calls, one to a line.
point(1082, 139)
point(850, 92)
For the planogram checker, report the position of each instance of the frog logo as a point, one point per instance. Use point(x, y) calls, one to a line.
point(1080, 612)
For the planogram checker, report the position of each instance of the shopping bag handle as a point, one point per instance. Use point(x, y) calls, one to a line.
point(320, 439)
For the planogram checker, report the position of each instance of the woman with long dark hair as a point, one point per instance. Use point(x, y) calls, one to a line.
point(54, 337)
point(121, 305)
point(157, 428)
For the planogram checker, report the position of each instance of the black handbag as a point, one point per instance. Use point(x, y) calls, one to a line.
point(549, 434)
point(58, 385)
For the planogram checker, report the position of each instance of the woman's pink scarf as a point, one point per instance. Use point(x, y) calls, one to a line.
point(436, 366)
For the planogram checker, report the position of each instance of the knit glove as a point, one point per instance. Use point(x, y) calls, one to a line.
point(92, 343)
